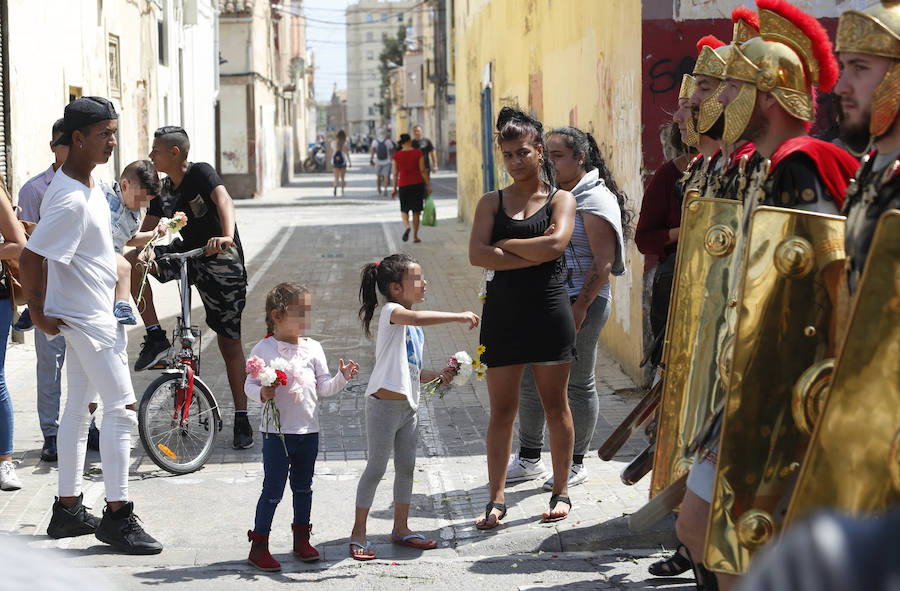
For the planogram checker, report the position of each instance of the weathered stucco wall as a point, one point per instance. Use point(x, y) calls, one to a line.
point(569, 62)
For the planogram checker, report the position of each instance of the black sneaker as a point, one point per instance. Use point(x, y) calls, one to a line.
point(69, 522)
point(156, 347)
point(121, 530)
point(24, 322)
point(48, 452)
point(243, 432)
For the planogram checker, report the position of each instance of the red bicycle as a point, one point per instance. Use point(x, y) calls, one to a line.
point(178, 417)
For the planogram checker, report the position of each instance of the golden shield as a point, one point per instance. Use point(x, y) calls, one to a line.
point(705, 272)
point(853, 460)
point(782, 329)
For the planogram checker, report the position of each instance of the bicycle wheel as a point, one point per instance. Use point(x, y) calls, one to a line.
point(177, 448)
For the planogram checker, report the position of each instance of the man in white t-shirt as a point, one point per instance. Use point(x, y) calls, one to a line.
point(73, 236)
point(380, 156)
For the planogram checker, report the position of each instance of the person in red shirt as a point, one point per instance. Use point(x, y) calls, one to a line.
point(413, 182)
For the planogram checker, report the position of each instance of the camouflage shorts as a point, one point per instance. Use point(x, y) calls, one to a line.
point(221, 281)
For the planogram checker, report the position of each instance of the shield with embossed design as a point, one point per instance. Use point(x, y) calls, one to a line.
point(696, 330)
point(783, 320)
point(853, 461)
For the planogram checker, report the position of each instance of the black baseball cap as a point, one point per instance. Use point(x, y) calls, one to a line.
point(82, 112)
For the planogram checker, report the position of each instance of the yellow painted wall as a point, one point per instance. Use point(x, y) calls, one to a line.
point(579, 63)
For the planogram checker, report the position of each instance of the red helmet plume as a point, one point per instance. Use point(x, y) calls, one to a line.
point(747, 15)
point(711, 40)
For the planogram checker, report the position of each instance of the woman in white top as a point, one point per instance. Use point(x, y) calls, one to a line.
point(392, 396)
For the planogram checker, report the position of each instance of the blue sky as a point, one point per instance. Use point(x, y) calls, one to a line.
point(329, 42)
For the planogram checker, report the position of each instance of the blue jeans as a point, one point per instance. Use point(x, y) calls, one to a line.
point(51, 353)
point(299, 463)
point(583, 399)
point(6, 411)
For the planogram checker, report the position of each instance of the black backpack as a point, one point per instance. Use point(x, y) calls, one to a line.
point(381, 150)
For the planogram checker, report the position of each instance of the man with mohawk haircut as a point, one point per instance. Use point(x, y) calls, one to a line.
point(768, 99)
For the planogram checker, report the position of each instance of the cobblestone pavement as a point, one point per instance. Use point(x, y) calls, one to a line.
point(302, 233)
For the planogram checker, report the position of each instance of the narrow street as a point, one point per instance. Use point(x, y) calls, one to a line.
point(303, 233)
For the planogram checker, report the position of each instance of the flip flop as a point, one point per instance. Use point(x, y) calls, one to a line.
point(554, 500)
point(369, 555)
point(417, 541)
point(487, 515)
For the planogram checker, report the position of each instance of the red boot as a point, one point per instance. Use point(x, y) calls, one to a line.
point(259, 553)
point(302, 548)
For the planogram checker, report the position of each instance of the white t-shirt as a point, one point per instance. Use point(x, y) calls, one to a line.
point(398, 357)
point(308, 378)
point(74, 236)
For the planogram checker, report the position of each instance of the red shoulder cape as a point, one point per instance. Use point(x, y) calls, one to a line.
point(745, 150)
point(835, 165)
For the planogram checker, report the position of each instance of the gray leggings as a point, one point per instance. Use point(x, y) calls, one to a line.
point(583, 400)
point(390, 424)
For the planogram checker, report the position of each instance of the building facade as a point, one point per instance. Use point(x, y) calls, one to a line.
point(568, 66)
point(369, 23)
point(154, 60)
point(258, 100)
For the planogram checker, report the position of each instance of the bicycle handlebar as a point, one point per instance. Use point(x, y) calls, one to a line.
point(190, 254)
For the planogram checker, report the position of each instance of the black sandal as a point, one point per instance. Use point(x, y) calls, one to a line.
point(672, 566)
point(705, 580)
point(554, 500)
point(487, 515)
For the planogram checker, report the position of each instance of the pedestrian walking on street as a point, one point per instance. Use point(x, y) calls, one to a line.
point(520, 234)
point(340, 160)
point(413, 183)
point(74, 239)
point(380, 157)
point(13, 233)
point(292, 445)
point(595, 251)
point(392, 395)
point(50, 353)
point(221, 277)
point(424, 145)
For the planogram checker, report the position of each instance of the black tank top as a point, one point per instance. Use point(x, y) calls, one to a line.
point(532, 226)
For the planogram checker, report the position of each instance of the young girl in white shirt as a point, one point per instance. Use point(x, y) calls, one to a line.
point(392, 395)
point(287, 319)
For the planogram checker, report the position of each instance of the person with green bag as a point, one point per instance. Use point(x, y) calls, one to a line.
point(412, 182)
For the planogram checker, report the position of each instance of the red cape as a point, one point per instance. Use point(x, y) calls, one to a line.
point(835, 165)
point(746, 150)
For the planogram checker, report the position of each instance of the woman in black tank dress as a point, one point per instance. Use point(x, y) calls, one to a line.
point(520, 234)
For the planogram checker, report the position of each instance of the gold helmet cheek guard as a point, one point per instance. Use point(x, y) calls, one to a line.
point(738, 113)
point(710, 110)
point(886, 102)
point(688, 84)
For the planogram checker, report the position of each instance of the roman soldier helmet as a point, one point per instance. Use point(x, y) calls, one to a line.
point(688, 84)
point(790, 57)
point(876, 31)
point(712, 55)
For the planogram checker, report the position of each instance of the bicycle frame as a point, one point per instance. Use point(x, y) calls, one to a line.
point(187, 363)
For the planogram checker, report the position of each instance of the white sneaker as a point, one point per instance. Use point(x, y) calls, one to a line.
point(8, 478)
point(521, 469)
point(577, 475)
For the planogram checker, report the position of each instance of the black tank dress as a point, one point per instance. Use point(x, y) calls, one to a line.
point(527, 317)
